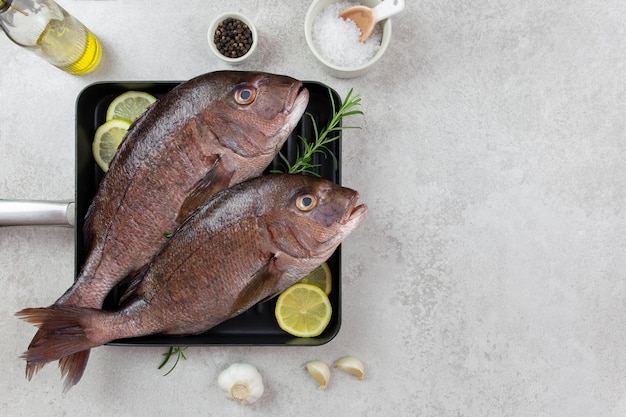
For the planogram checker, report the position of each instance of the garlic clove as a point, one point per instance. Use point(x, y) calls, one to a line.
point(242, 382)
point(351, 365)
point(320, 371)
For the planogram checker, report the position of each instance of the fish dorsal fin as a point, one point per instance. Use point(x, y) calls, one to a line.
point(216, 179)
point(261, 286)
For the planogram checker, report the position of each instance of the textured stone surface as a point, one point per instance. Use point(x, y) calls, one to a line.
point(489, 277)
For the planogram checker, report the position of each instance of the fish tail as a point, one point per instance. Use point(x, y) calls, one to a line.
point(33, 368)
point(63, 333)
point(72, 368)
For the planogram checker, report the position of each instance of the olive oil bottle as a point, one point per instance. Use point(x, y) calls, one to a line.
point(46, 29)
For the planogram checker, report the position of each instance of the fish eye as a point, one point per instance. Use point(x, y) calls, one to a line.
point(245, 95)
point(306, 202)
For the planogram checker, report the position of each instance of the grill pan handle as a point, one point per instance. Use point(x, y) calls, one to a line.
point(37, 213)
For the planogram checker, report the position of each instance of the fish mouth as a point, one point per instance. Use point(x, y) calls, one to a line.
point(295, 106)
point(355, 212)
point(297, 100)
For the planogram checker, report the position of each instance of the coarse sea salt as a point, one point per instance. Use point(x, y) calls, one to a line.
point(337, 40)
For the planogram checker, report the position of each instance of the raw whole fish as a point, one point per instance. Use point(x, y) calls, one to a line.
point(247, 244)
point(208, 133)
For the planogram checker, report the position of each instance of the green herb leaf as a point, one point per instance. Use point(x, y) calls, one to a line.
point(319, 144)
point(173, 350)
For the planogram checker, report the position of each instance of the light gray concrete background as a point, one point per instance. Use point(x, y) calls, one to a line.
point(489, 276)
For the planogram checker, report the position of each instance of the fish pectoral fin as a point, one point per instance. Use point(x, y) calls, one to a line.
point(216, 179)
point(261, 287)
point(131, 282)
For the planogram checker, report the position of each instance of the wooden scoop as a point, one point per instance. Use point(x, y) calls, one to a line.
point(366, 18)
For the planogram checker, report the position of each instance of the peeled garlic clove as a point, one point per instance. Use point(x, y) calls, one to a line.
point(320, 371)
point(351, 365)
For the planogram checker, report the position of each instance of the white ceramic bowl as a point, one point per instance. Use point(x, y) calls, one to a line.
point(211, 34)
point(335, 70)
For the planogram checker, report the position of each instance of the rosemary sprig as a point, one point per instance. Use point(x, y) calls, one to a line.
point(327, 135)
point(173, 350)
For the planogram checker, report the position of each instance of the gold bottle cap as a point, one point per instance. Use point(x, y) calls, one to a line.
point(5, 4)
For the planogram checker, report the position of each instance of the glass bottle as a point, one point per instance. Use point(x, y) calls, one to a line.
point(45, 28)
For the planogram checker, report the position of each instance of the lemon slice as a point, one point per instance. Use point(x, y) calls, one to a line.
point(129, 105)
point(320, 277)
point(107, 139)
point(303, 310)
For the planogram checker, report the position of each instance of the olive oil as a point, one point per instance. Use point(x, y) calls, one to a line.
point(70, 46)
point(46, 29)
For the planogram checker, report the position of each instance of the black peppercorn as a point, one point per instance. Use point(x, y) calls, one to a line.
point(233, 38)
